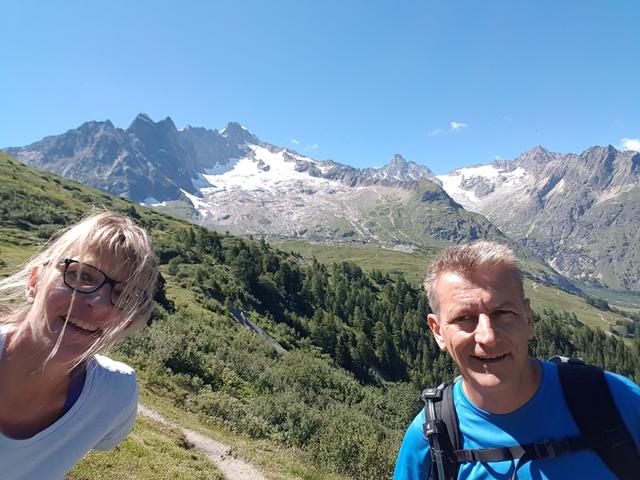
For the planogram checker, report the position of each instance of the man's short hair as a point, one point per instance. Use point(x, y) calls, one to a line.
point(468, 259)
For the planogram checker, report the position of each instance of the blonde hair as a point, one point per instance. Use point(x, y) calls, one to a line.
point(468, 259)
point(105, 235)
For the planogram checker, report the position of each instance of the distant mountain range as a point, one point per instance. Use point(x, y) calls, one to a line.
point(148, 159)
point(580, 213)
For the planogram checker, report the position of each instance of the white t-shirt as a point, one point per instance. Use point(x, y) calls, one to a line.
point(101, 417)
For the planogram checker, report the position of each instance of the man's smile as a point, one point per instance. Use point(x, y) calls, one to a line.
point(490, 358)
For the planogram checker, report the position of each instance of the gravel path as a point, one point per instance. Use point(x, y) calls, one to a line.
point(231, 467)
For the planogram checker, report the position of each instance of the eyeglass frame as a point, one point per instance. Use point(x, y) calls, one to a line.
point(107, 280)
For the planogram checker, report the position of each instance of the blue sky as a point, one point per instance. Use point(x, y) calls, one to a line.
point(445, 83)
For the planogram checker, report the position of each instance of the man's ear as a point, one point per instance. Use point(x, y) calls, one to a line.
point(529, 313)
point(434, 325)
point(32, 284)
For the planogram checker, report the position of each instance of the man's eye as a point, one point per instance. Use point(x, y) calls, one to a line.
point(463, 318)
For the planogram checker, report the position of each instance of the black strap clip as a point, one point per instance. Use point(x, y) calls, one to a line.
point(552, 448)
point(433, 393)
point(544, 449)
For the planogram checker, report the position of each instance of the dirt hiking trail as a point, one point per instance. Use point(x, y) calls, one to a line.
point(231, 467)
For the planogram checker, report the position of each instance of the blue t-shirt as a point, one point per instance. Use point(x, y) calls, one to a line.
point(545, 415)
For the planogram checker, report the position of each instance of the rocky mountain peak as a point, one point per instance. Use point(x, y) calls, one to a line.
point(93, 127)
point(535, 159)
point(398, 160)
point(143, 124)
point(168, 124)
point(537, 153)
point(599, 151)
point(399, 169)
point(572, 209)
point(539, 149)
point(141, 118)
point(238, 134)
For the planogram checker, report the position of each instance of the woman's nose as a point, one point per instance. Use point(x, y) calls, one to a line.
point(101, 298)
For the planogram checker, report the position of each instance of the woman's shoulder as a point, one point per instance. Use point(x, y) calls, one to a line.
point(113, 366)
point(112, 376)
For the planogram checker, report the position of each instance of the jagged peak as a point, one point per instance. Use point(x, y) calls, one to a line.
point(398, 159)
point(167, 122)
point(535, 151)
point(144, 123)
point(143, 117)
point(600, 148)
point(94, 124)
point(233, 127)
point(239, 133)
point(142, 120)
point(537, 154)
point(539, 148)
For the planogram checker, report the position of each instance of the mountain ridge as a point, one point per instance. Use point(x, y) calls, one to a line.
point(578, 211)
point(555, 204)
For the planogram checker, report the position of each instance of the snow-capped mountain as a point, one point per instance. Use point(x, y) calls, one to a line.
point(279, 193)
point(579, 212)
point(235, 182)
point(154, 161)
point(147, 160)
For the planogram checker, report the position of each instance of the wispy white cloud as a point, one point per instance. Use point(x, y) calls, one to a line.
point(295, 141)
point(497, 157)
point(629, 144)
point(311, 147)
point(453, 127)
point(457, 125)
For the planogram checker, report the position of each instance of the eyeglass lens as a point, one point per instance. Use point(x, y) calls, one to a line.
point(87, 279)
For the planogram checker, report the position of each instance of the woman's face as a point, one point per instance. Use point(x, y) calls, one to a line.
point(87, 315)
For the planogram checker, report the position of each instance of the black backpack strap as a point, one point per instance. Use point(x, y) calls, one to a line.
point(588, 397)
point(593, 409)
point(442, 430)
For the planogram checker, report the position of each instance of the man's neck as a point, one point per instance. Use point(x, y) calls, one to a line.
point(509, 399)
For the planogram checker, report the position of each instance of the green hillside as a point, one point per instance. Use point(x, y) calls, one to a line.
point(413, 266)
point(334, 403)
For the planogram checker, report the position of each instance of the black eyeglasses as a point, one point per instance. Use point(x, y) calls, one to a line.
point(84, 278)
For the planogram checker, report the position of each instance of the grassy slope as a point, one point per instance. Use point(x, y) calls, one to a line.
point(153, 451)
point(413, 265)
point(274, 460)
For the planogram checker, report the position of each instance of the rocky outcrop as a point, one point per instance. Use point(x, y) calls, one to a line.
point(147, 160)
point(579, 212)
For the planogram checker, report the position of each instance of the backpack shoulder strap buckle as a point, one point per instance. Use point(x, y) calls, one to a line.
point(433, 394)
point(559, 359)
point(544, 449)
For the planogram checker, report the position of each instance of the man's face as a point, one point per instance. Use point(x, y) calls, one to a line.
point(485, 324)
